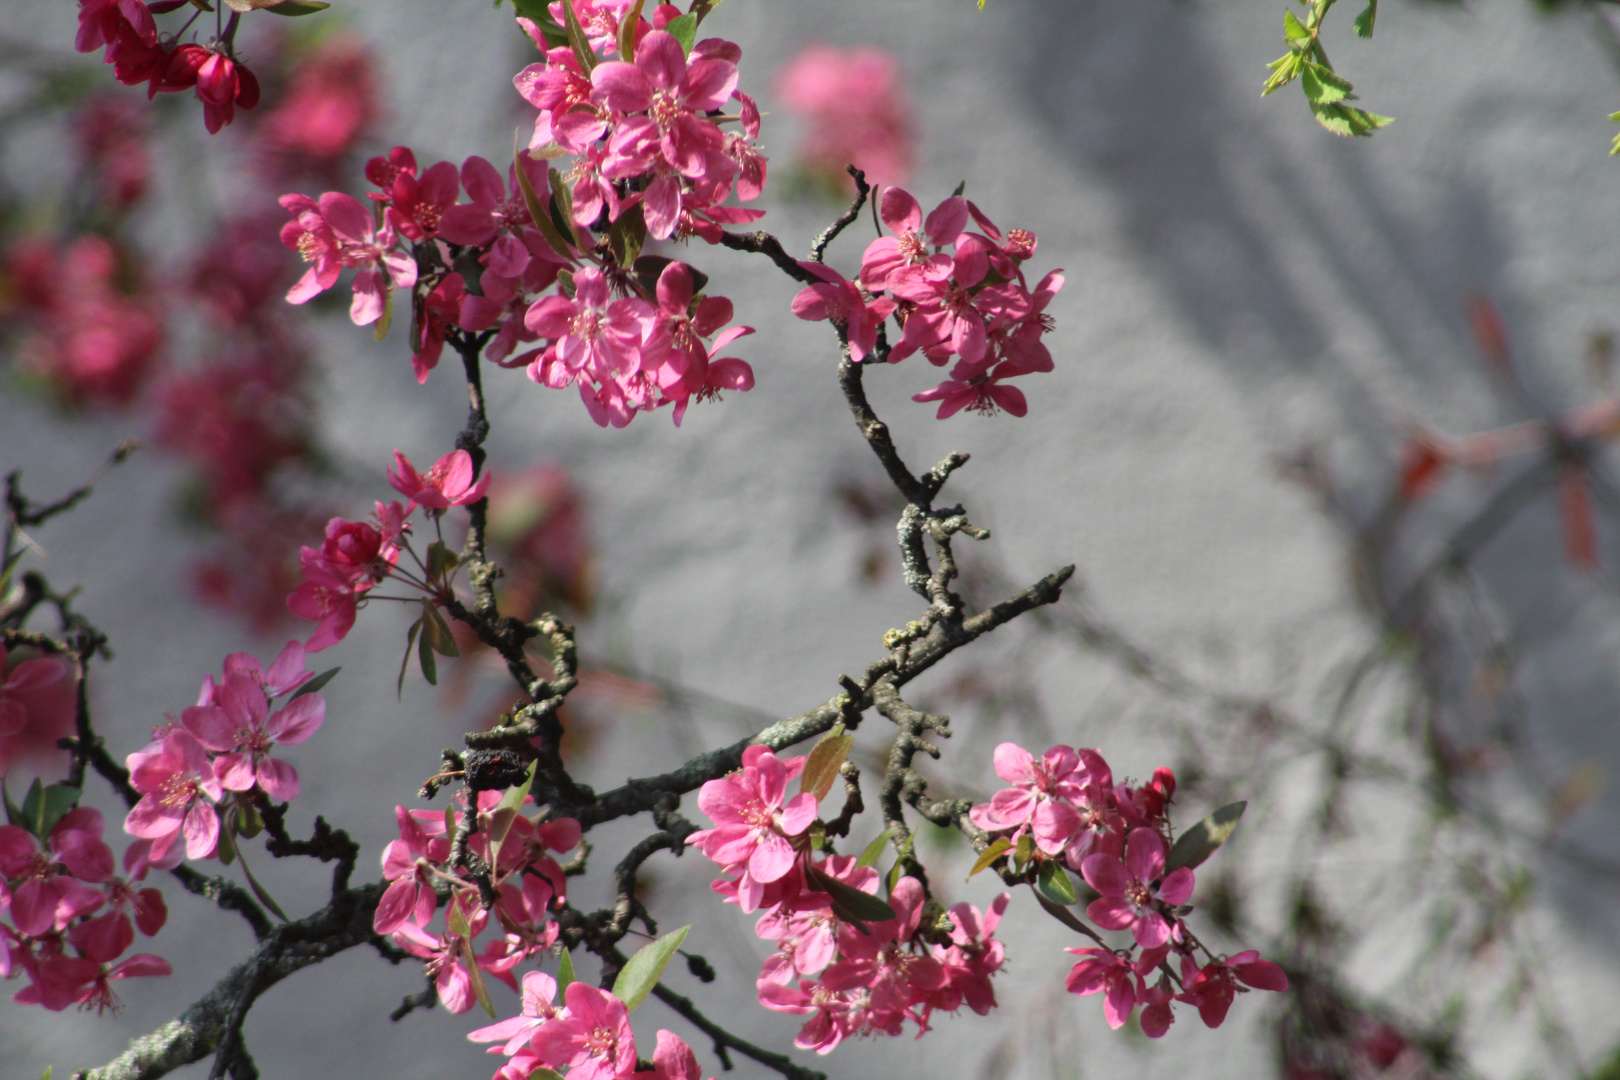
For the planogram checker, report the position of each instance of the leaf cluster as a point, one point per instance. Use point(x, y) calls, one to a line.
point(1326, 91)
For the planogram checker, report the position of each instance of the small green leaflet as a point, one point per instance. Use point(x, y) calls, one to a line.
point(874, 850)
point(565, 971)
point(1342, 119)
point(577, 40)
point(297, 7)
point(405, 661)
point(627, 31)
point(1323, 85)
point(991, 854)
point(316, 683)
point(1054, 885)
point(638, 977)
point(456, 920)
point(43, 807)
point(1364, 22)
point(1025, 851)
point(1613, 150)
point(46, 1075)
point(685, 30)
point(500, 821)
point(259, 890)
point(1062, 915)
point(1293, 29)
point(822, 765)
point(849, 903)
point(1199, 842)
point(905, 853)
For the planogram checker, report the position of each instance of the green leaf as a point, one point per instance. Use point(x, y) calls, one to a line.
point(316, 683)
point(249, 822)
point(1364, 22)
point(437, 632)
point(849, 903)
point(905, 853)
point(991, 854)
point(1054, 884)
point(33, 804)
point(297, 7)
point(500, 821)
point(638, 977)
point(226, 849)
point(1025, 852)
point(1342, 119)
point(449, 822)
point(562, 208)
point(1063, 915)
point(16, 557)
point(380, 331)
point(55, 801)
point(424, 657)
point(410, 639)
point(1323, 85)
point(1293, 29)
point(1199, 842)
point(577, 39)
point(475, 974)
point(874, 850)
point(46, 1075)
point(1284, 70)
point(538, 213)
point(565, 971)
point(684, 29)
point(821, 766)
point(627, 235)
point(14, 814)
point(258, 890)
point(961, 186)
point(543, 1073)
point(627, 32)
point(440, 559)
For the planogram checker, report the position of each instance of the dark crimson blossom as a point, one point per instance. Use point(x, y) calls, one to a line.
point(1109, 974)
point(1211, 988)
point(354, 558)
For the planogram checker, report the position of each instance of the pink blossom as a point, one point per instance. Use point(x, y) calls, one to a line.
point(842, 302)
point(448, 483)
point(592, 1037)
point(593, 334)
point(753, 826)
point(881, 961)
point(336, 232)
point(1103, 971)
point(856, 110)
point(492, 209)
point(222, 85)
point(831, 1012)
point(984, 394)
point(419, 205)
point(240, 728)
point(409, 868)
point(176, 784)
point(439, 310)
point(912, 238)
point(539, 997)
point(45, 892)
point(1042, 798)
point(1135, 891)
point(974, 955)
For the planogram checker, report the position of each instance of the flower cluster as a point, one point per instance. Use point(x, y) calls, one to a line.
point(356, 556)
point(849, 975)
point(588, 1033)
point(90, 333)
point(129, 33)
point(223, 743)
point(1067, 807)
point(548, 263)
point(65, 915)
point(528, 882)
point(855, 112)
point(954, 292)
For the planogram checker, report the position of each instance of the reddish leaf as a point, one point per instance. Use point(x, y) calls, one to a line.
point(1580, 533)
point(1423, 465)
point(1489, 332)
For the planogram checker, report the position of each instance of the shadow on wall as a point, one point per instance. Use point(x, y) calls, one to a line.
point(1295, 256)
